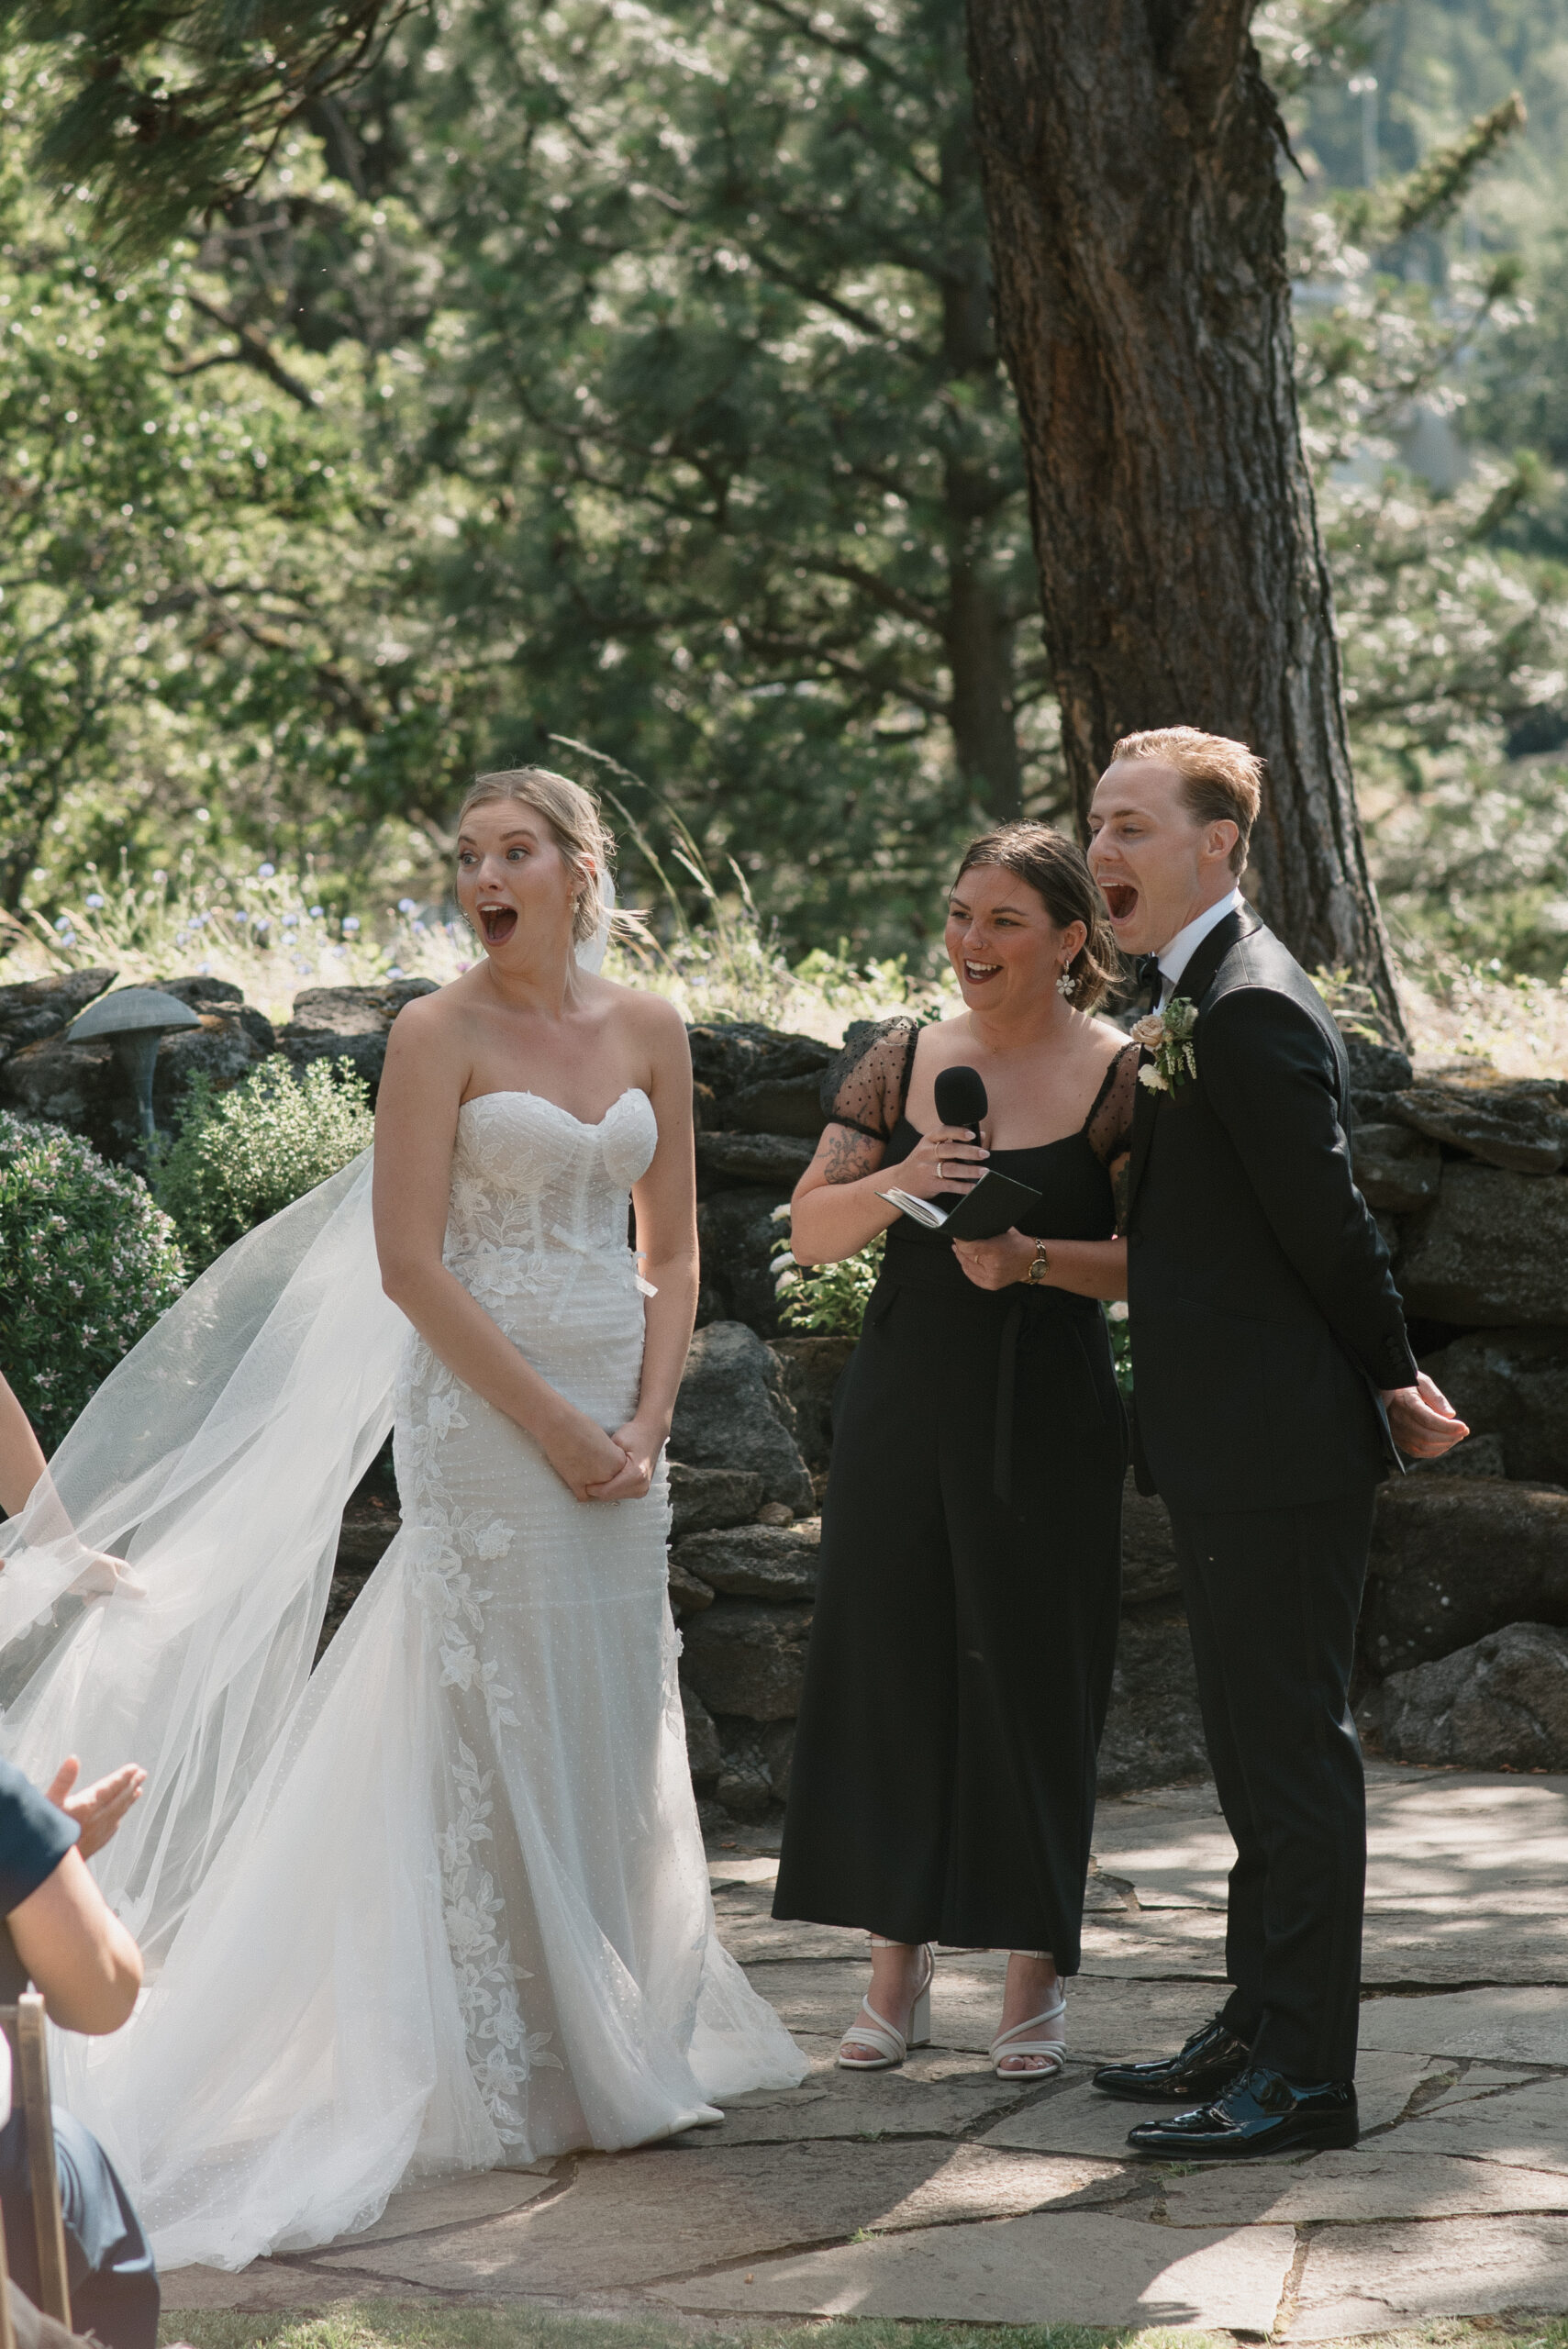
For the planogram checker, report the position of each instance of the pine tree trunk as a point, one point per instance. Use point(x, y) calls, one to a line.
point(979, 631)
point(1131, 153)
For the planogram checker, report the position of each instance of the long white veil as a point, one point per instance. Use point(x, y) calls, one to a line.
point(216, 1459)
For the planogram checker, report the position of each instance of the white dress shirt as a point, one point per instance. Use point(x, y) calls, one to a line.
point(1175, 958)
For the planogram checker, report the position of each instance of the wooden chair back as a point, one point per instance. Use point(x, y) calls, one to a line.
point(28, 2063)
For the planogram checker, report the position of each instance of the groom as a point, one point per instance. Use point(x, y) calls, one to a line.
point(1273, 1380)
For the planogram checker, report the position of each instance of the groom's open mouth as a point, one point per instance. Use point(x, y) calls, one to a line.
point(1121, 899)
point(498, 923)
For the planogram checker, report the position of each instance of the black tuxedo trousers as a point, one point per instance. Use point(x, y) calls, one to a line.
point(1272, 1598)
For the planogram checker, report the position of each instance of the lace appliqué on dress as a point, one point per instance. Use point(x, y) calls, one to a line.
point(448, 1544)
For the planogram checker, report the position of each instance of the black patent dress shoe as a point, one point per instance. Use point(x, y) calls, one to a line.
point(1211, 2059)
point(1261, 2113)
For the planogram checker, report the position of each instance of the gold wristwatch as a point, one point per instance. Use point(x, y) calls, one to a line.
point(1039, 1265)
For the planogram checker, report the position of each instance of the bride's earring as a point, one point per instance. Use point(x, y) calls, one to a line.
point(1065, 984)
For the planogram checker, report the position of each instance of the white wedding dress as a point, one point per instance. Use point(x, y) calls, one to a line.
point(443, 1905)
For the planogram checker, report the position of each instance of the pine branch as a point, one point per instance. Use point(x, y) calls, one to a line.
point(1425, 197)
point(252, 351)
point(170, 109)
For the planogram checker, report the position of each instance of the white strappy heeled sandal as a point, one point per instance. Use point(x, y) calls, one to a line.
point(885, 2044)
point(1008, 2044)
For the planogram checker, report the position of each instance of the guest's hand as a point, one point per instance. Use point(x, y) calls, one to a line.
point(639, 1448)
point(1422, 1420)
point(995, 1263)
point(946, 1160)
point(99, 1808)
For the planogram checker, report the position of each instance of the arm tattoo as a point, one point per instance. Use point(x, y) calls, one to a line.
point(846, 1156)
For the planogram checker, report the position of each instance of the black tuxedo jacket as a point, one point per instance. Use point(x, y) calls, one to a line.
point(1262, 1314)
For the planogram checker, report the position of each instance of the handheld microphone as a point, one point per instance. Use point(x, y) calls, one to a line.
point(960, 1098)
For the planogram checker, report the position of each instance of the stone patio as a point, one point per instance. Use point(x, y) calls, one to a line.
point(939, 2191)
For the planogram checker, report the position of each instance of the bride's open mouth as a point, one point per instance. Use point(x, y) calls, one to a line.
point(1122, 898)
point(978, 973)
point(498, 923)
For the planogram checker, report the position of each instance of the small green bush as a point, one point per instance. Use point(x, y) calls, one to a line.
point(830, 1300)
point(88, 1261)
point(240, 1156)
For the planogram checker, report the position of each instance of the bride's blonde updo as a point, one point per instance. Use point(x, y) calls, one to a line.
point(576, 827)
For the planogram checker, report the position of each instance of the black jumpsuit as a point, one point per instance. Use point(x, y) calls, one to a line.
point(942, 1787)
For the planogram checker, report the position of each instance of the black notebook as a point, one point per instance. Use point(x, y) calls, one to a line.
point(992, 1207)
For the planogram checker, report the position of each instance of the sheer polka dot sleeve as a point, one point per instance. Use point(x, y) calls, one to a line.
point(865, 1086)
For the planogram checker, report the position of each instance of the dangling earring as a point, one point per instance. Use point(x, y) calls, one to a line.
point(1065, 984)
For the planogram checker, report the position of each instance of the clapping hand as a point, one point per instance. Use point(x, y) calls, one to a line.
point(99, 1808)
point(1422, 1420)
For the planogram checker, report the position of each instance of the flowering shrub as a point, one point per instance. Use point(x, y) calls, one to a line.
point(88, 1261)
point(242, 1155)
point(830, 1300)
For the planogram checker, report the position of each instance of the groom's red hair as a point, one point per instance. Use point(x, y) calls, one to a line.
point(1222, 781)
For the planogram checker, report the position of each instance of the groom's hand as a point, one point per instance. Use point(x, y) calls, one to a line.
point(1422, 1420)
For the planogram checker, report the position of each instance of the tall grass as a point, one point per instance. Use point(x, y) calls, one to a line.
point(265, 932)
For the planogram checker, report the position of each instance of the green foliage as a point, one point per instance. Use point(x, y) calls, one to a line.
point(704, 450)
point(194, 647)
point(161, 109)
point(88, 1261)
point(627, 376)
point(240, 1156)
point(830, 1300)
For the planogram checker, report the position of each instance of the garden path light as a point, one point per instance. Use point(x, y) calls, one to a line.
point(134, 1019)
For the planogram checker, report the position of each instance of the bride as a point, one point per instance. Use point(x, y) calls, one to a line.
point(444, 1904)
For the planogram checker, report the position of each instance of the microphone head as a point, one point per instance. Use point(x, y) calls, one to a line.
point(961, 1096)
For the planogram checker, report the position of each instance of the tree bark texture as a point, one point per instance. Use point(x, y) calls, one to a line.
point(980, 631)
point(1130, 152)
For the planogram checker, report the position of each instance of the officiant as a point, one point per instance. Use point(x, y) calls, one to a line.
point(943, 1780)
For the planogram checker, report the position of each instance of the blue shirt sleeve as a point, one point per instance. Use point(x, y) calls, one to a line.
point(34, 1838)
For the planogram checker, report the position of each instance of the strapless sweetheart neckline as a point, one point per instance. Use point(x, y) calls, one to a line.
point(522, 1093)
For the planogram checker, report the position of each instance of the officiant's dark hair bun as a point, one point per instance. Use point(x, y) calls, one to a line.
point(1056, 869)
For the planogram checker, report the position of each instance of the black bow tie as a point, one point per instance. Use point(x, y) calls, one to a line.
point(1149, 982)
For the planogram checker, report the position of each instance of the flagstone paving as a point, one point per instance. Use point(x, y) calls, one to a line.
point(940, 2191)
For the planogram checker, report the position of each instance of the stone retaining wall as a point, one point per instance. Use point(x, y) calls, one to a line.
point(1465, 1171)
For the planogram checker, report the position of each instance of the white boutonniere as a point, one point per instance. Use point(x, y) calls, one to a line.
point(1168, 1036)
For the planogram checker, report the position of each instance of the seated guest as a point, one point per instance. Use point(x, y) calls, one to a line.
point(60, 1934)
